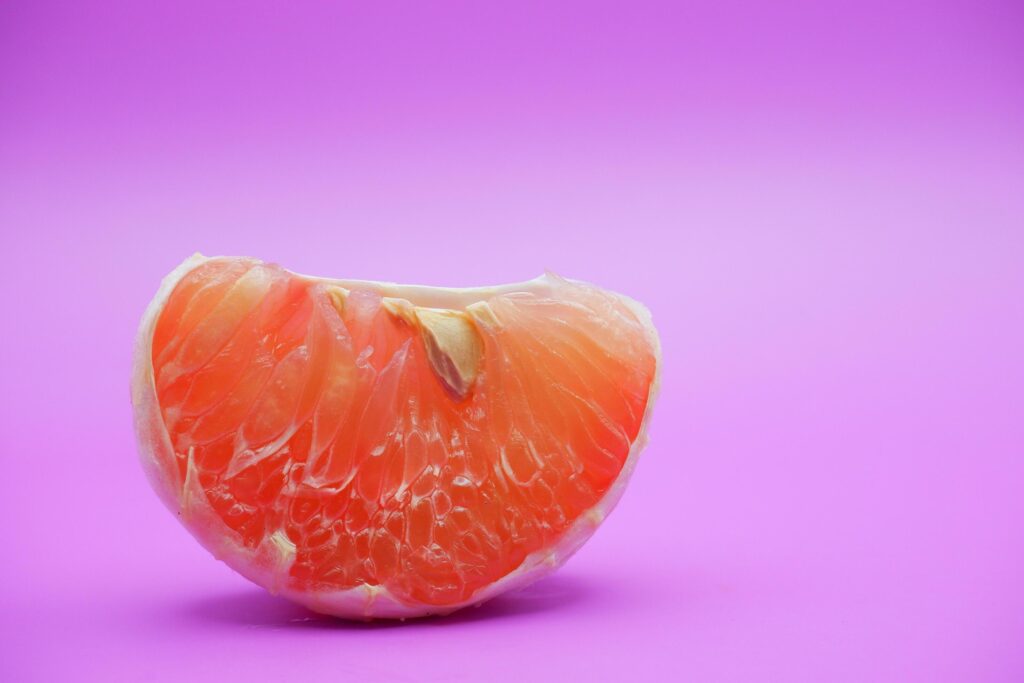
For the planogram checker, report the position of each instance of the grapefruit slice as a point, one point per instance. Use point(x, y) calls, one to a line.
point(370, 449)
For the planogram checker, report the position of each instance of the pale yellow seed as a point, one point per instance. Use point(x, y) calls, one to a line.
point(454, 346)
point(338, 296)
point(400, 308)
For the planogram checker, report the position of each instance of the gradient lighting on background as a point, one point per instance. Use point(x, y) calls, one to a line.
point(821, 202)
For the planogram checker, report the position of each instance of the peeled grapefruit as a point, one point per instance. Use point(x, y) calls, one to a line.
point(371, 449)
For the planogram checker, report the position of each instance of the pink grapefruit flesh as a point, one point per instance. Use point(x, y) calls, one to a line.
point(370, 449)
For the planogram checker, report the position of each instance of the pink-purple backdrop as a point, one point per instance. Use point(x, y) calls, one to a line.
point(821, 202)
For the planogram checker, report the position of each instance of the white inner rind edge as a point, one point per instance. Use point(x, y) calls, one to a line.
point(268, 564)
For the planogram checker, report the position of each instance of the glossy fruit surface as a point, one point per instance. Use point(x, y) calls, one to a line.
point(370, 449)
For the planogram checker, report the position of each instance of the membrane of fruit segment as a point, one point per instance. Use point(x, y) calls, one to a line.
point(371, 449)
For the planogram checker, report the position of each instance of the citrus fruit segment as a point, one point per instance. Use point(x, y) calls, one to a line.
point(370, 449)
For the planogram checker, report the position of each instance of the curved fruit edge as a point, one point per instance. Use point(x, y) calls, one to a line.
point(154, 442)
point(267, 565)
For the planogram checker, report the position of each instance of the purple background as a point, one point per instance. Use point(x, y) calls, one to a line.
point(821, 202)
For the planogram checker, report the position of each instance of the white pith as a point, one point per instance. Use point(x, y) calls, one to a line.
point(268, 564)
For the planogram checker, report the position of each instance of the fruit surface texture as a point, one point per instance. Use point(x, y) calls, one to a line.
point(379, 450)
